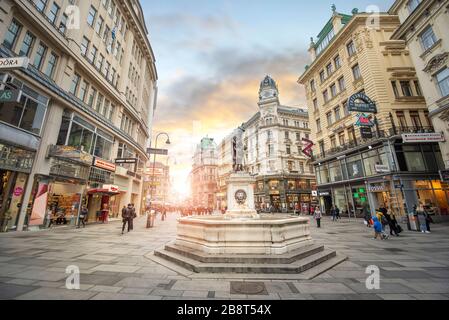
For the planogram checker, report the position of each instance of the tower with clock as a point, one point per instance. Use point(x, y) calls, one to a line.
point(268, 97)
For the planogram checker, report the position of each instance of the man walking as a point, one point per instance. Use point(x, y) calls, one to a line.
point(127, 215)
point(82, 218)
point(317, 216)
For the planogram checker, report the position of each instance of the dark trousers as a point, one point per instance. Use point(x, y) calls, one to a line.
point(318, 223)
point(428, 225)
point(82, 220)
point(128, 221)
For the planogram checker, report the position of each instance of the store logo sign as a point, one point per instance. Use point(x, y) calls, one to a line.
point(104, 165)
point(14, 63)
point(380, 168)
point(364, 121)
point(9, 95)
point(308, 145)
point(360, 102)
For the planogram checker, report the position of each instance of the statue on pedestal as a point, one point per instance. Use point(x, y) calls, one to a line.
point(238, 150)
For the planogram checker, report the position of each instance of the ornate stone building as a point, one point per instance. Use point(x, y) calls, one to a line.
point(368, 114)
point(424, 27)
point(87, 86)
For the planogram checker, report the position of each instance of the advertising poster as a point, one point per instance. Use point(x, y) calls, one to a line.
point(40, 205)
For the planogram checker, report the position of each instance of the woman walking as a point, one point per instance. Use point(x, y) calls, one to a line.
point(317, 216)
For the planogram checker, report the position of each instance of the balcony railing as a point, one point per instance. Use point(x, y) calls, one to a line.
point(376, 136)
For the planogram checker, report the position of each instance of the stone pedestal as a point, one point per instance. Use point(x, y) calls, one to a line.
point(241, 197)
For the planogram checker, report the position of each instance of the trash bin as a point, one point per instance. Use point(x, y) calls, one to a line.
point(413, 222)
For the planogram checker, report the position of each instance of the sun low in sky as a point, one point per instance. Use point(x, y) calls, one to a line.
point(211, 56)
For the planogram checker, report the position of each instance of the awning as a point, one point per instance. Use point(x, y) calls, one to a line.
point(103, 192)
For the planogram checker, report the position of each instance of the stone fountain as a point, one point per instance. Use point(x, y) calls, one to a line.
point(244, 242)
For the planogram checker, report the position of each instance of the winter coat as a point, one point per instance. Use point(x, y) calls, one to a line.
point(377, 224)
point(317, 214)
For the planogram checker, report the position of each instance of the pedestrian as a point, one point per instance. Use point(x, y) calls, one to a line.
point(377, 229)
point(333, 214)
point(396, 226)
point(423, 219)
point(164, 214)
point(133, 215)
point(126, 216)
point(312, 210)
point(337, 213)
point(317, 216)
point(83, 216)
point(367, 215)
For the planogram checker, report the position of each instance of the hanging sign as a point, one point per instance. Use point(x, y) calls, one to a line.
point(423, 137)
point(364, 121)
point(360, 102)
point(308, 145)
point(366, 133)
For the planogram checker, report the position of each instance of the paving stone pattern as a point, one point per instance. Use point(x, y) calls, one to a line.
point(112, 266)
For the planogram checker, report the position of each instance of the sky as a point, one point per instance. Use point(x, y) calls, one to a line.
point(211, 56)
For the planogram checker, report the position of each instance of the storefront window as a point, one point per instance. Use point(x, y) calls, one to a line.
point(355, 168)
point(370, 160)
point(335, 171)
point(441, 196)
point(291, 185)
point(340, 199)
point(360, 198)
point(274, 184)
point(414, 158)
point(324, 174)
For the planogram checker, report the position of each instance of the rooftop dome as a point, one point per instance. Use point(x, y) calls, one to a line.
point(268, 82)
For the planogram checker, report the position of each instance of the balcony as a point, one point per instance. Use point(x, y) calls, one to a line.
point(382, 134)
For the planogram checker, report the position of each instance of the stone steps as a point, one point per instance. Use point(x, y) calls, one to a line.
point(287, 258)
point(306, 259)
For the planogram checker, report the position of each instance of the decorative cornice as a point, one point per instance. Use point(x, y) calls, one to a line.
point(436, 62)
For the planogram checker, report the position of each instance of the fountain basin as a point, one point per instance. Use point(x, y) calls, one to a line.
point(268, 235)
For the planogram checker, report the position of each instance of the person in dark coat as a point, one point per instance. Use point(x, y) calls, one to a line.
point(127, 216)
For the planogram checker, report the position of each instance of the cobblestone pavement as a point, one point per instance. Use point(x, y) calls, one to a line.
point(33, 265)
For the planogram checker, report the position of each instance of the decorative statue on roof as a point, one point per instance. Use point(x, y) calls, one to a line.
point(334, 8)
point(238, 150)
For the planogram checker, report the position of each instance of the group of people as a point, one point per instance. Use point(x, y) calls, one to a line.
point(128, 216)
point(195, 211)
point(381, 220)
point(424, 218)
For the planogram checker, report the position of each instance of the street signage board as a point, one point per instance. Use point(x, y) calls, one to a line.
point(162, 152)
point(381, 168)
point(105, 165)
point(423, 137)
point(360, 102)
point(14, 63)
point(444, 174)
point(366, 133)
point(126, 160)
point(9, 95)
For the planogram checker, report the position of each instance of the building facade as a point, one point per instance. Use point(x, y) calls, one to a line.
point(369, 120)
point(273, 153)
point(157, 184)
point(204, 175)
point(424, 26)
point(86, 95)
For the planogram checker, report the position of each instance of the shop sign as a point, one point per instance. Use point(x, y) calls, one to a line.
point(18, 191)
point(126, 160)
point(423, 137)
point(111, 188)
point(366, 133)
point(381, 168)
point(14, 63)
point(162, 152)
point(364, 121)
point(375, 189)
point(104, 165)
point(314, 193)
point(325, 193)
point(360, 102)
point(68, 152)
point(10, 95)
point(274, 193)
point(444, 174)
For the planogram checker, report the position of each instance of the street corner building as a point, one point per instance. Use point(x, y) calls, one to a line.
point(374, 140)
point(273, 145)
point(76, 109)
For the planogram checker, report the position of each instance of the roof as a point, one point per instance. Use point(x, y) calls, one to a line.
point(345, 18)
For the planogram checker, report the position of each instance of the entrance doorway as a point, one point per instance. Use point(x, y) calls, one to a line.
point(12, 189)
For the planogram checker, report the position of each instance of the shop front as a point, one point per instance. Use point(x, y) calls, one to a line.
point(15, 166)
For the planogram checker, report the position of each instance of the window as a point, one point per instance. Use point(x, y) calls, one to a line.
point(322, 76)
point(321, 146)
point(337, 62)
point(287, 135)
point(416, 121)
point(333, 142)
point(301, 167)
point(298, 136)
point(84, 46)
point(27, 44)
point(288, 149)
point(75, 83)
point(337, 113)
point(12, 34)
point(285, 121)
point(341, 138)
point(63, 24)
point(395, 89)
point(53, 13)
point(107, 68)
point(333, 90)
point(99, 25)
point(329, 118)
point(329, 69)
point(99, 105)
point(83, 91)
point(325, 96)
point(111, 112)
point(342, 84)
point(401, 119)
point(406, 89)
point(417, 88)
point(106, 33)
point(315, 104)
point(270, 150)
point(51, 65)
point(312, 86)
point(99, 63)
point(93, 54)
point(412, 5)
point(443, 81)
point(318, 125)
point(325, 42)
point(428, 38)
point(346, 108)
point(92, 96)
point(91, 16)
point(351, 48)
point(40, 55)
point(356, 72)
point(40, 4)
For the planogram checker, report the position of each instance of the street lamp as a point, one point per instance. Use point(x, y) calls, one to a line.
point(154, 166)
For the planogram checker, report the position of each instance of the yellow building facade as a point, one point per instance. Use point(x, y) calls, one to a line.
point(361, 159)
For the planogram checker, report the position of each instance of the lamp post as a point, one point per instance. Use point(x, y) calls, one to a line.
point(154, 167)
